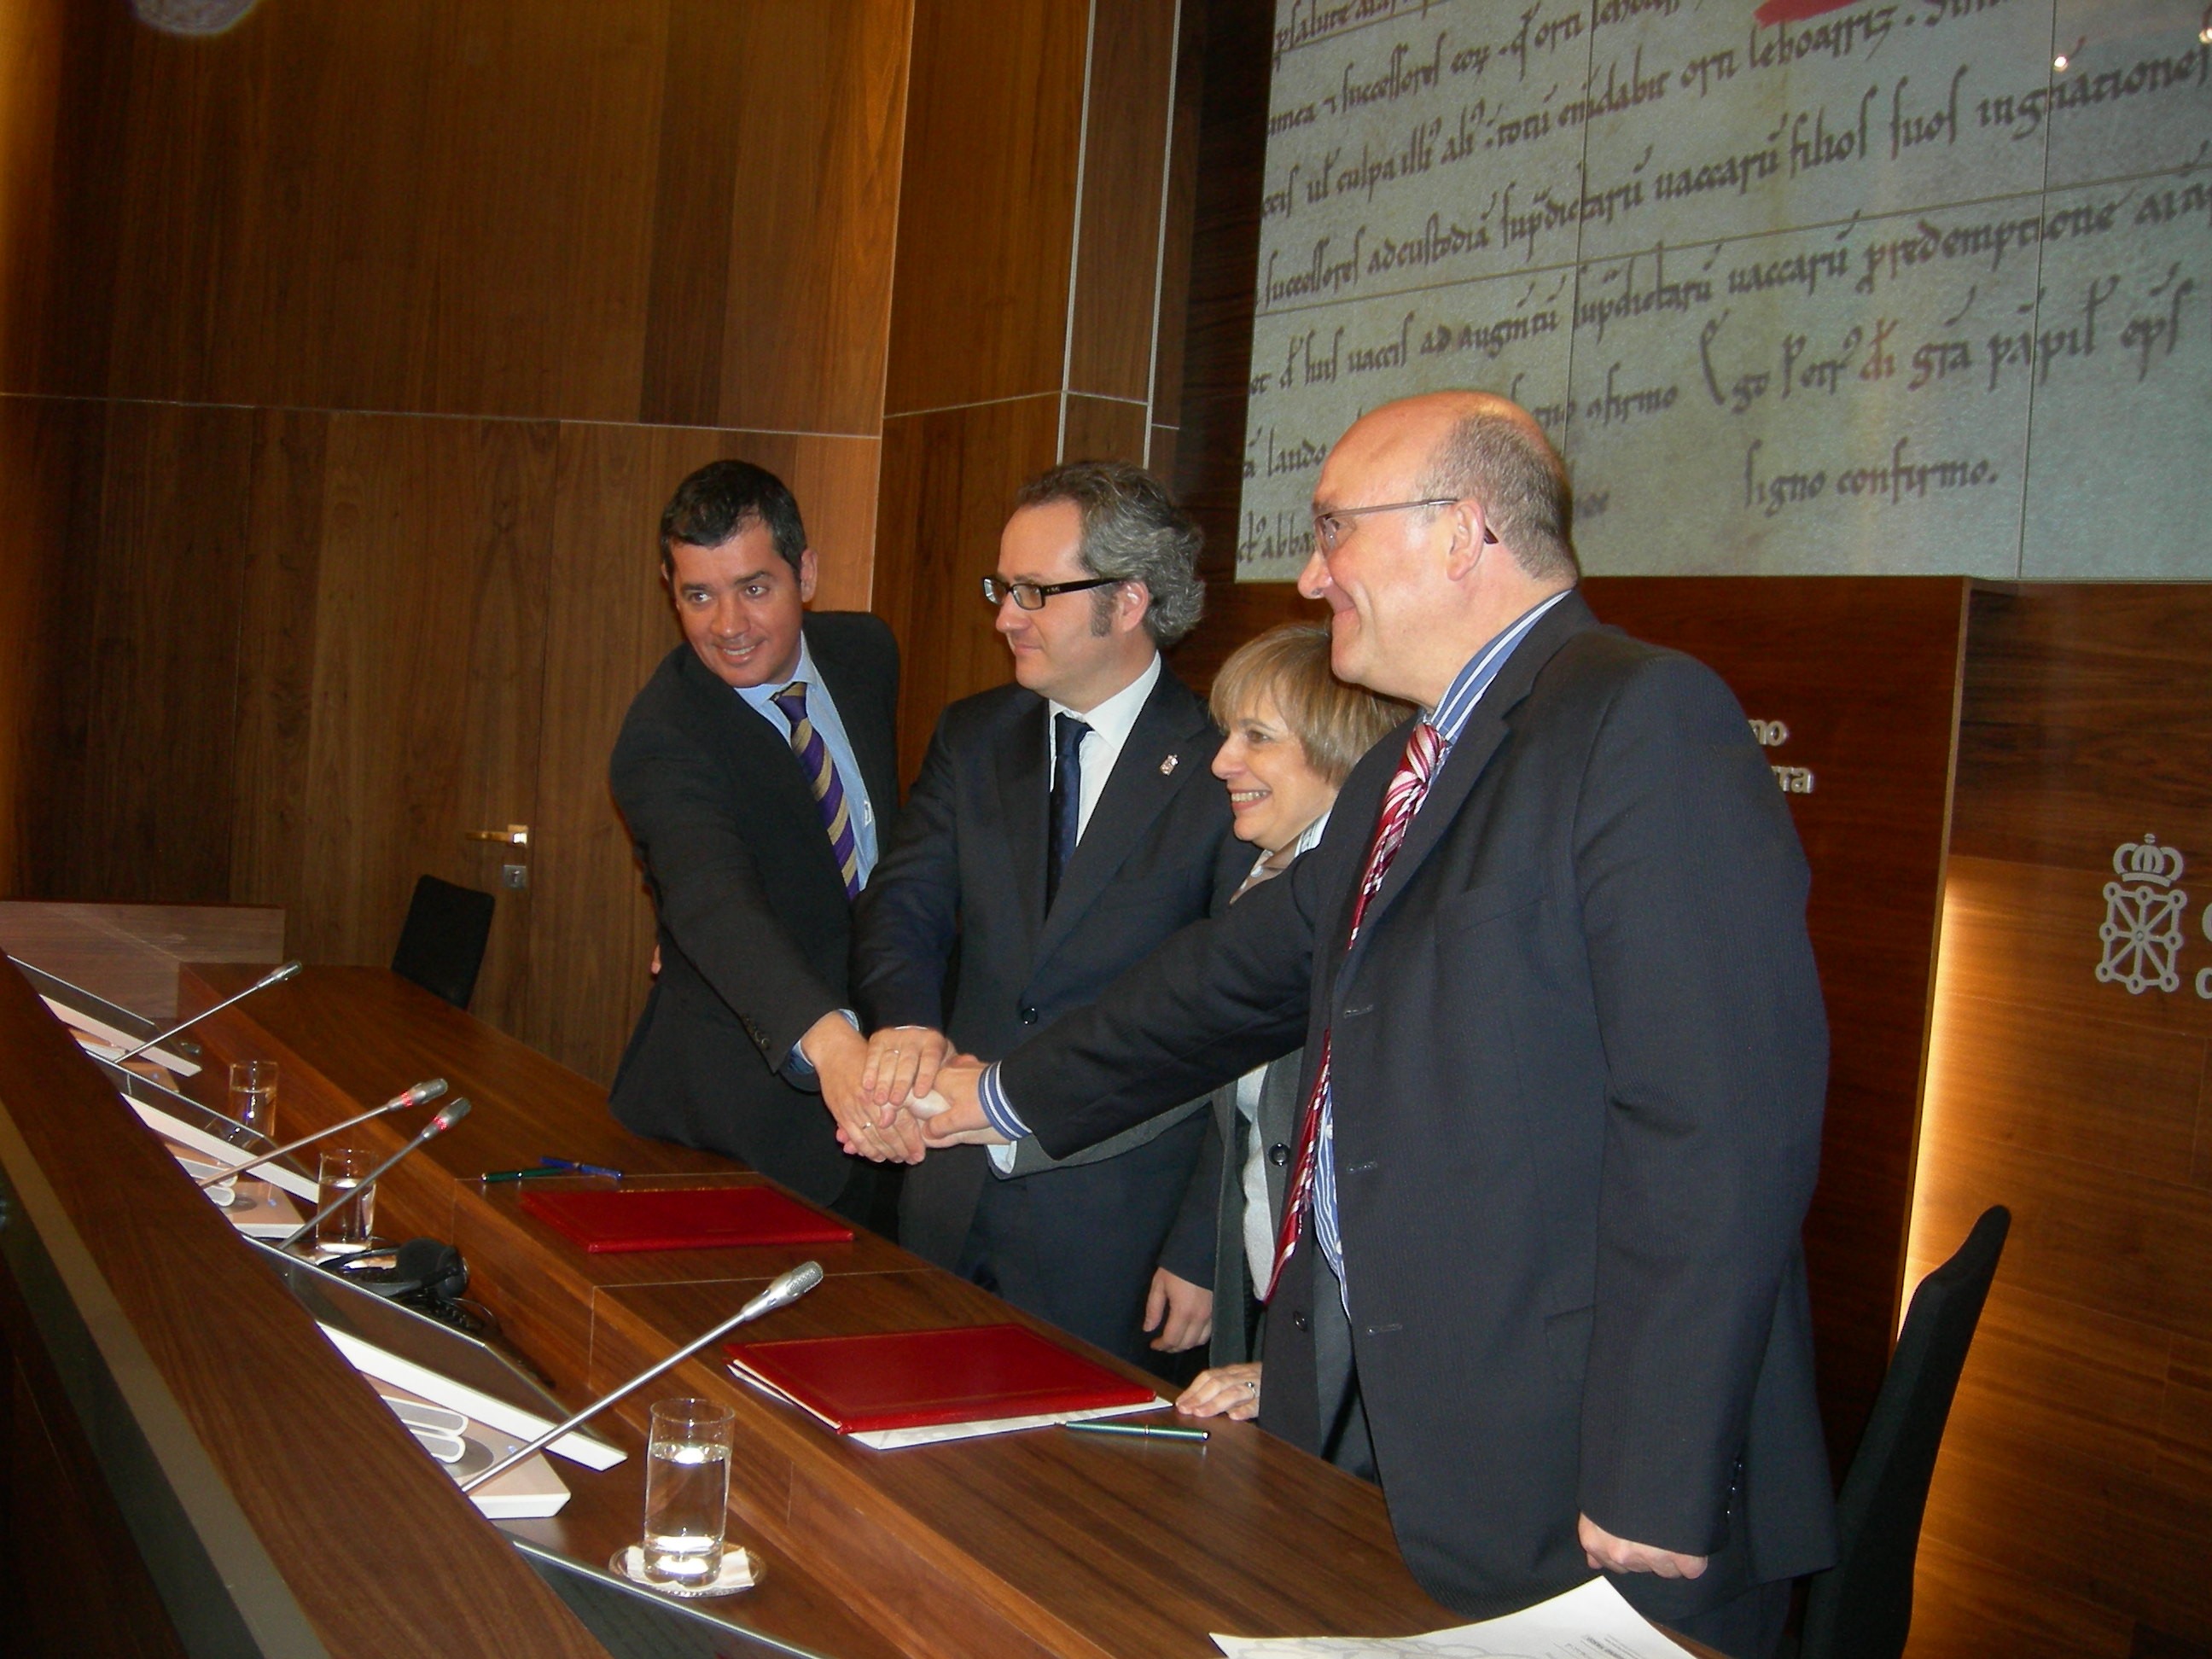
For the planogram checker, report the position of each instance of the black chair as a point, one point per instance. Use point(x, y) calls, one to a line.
point(442, 944)
point(1862, 1608)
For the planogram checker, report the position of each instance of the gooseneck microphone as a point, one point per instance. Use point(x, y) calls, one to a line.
point(414, 1096)
point(784, 1291)
point(436, 1126)
point(274, 976)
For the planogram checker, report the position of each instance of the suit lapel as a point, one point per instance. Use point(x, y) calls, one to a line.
point(1023, 785)
point(1479, 740)
point(871, 746)
point(1135, 793)
point(764, 759)
point(1354, 815)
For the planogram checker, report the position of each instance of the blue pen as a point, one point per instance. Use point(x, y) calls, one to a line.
point(581, 1168)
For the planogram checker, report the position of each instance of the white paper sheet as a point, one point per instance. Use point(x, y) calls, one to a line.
point(372, 1361)
point(112, 1044)
point(200, 1141)
point(1590, 1621)
point(528, 1492)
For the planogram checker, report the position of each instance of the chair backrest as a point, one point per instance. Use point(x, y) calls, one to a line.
point(1862, 1608)
point(442, 944)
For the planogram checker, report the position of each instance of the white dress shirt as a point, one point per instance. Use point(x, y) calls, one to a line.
point(1110, 723)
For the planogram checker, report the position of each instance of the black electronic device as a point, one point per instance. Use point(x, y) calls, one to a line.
point(426, 1274)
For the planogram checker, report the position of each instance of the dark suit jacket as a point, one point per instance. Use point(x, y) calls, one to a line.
point(1216, 1195)
point(754, 927)
point(1579, 1063)
point(968, 867)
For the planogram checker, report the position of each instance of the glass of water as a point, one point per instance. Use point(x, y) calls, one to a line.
point(254, 1095)
point(687, 1490)
point(340, 1171)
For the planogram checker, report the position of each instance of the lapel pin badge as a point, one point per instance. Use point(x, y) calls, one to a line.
point(1168, 765)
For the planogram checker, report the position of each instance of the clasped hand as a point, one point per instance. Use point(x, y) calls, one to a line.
point(1606, 1553)
point(897, 1093)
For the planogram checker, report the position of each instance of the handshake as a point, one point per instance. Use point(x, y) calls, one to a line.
point(898, 1093)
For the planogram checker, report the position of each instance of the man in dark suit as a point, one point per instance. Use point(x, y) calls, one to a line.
point(1061, 827)
point(1565, 1065)
point(756, 772)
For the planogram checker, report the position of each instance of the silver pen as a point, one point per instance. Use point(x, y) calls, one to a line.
point(1138, 1431)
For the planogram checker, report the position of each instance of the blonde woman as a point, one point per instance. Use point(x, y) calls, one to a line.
point(1294, 733)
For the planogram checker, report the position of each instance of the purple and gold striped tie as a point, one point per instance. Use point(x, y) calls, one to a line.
point(822, 774)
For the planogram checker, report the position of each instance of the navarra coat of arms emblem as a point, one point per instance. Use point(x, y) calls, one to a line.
point(2142, 918)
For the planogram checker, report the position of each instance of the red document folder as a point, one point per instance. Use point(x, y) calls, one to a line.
point(683, 1218)
point(914, 1379)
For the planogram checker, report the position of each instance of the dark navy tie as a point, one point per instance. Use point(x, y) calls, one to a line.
point(1068, 734)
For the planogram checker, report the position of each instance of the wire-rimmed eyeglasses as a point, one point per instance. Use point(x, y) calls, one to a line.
point(1329, 527)
point(1031, 596)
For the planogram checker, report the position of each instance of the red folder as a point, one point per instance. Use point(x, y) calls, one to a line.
point(683, 1218)
point(917, 1379)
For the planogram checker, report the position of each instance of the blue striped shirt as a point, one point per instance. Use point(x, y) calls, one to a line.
point(1449, 717)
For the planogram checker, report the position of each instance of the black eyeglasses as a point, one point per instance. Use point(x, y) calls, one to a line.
point(1031, 596)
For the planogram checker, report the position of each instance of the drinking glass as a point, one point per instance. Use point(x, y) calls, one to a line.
point(687, 1490)
point(339, 1170)
point(254, 1095)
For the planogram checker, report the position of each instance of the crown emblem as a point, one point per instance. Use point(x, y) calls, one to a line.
point(2146, 860)
point(2142, 932)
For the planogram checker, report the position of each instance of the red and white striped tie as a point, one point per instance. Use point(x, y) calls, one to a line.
point(1409, 787)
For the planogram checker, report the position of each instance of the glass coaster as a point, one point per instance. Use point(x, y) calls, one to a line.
point(741, 1571)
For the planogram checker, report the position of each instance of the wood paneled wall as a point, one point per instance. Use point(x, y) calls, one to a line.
point(346, 361)
point(675, 210)
point(303, 687)
point(37, 495)
point(2072, 1509)
point(781, 133)
point(1031, 317)
point(347, 358)
point(1230, 155)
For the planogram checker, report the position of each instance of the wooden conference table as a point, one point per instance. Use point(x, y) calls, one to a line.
point(1033, 1543)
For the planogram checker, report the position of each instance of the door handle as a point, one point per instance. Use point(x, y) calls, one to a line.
point(515, 835)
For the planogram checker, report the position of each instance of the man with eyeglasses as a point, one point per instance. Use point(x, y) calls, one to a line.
point(1060, 828)
point(1566, 1061)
